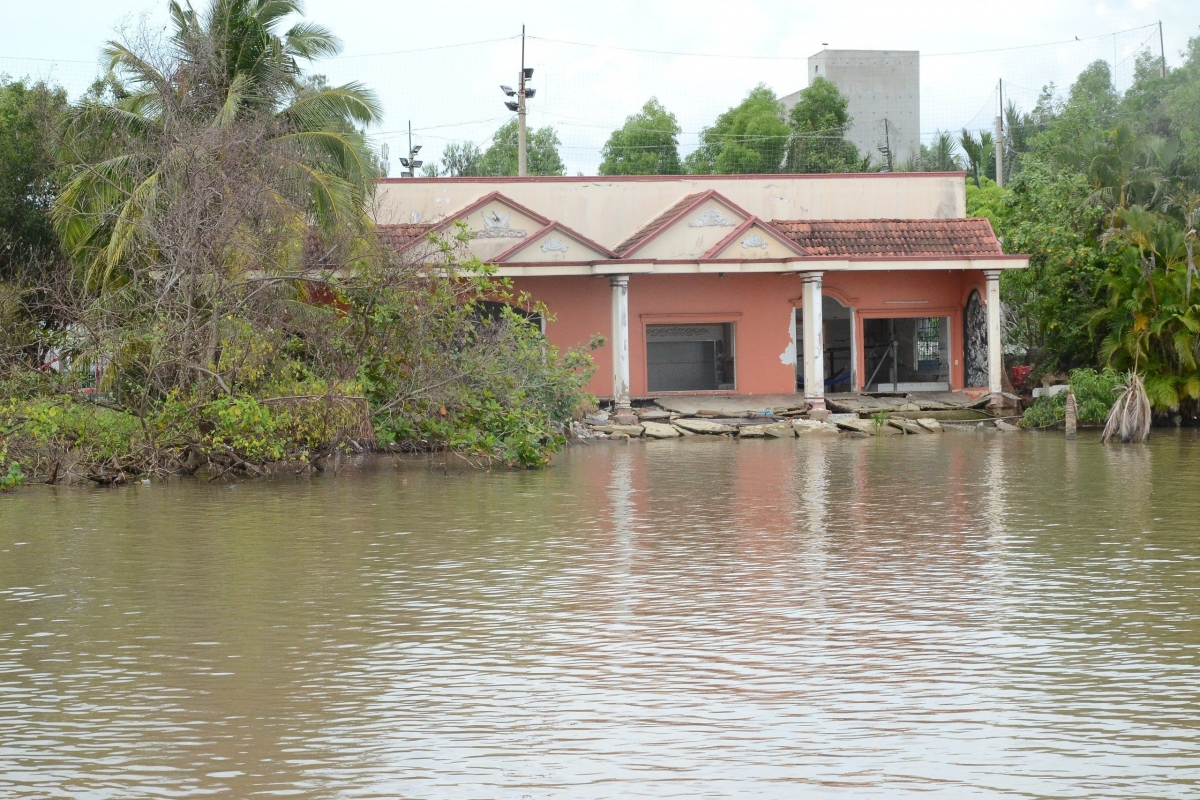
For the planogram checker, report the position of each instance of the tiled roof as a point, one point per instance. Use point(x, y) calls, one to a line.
point(651, 227)
point(892, 237)
point(398, 236)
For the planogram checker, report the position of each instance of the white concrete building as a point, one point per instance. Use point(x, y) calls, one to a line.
point(884, 90)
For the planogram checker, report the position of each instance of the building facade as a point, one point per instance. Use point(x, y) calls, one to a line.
point(748, 284)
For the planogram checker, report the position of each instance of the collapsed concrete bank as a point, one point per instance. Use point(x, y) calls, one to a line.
point(787, 416)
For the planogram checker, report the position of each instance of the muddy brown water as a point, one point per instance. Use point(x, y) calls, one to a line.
point(970, 615)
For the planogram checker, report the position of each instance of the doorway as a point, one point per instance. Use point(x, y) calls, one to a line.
point(839, 346)
point(907, 354)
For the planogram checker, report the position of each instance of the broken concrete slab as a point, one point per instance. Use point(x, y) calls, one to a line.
point(907, 426)
point(652, 413)
point(857, 424)
point(732, 405)
point(868, 427)
point(1007, 427)
point(930, 424)
point(751, 432)
point(704, 426)
point(779, 430)
point(659, 430)
point(633, 431)
point(810, 427)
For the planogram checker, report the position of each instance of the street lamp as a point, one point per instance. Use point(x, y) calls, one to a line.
point(522, 93)
point(411, 162)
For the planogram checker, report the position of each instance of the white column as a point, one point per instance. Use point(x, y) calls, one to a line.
point(995, 342)
point(814, 342)
point(620, 347)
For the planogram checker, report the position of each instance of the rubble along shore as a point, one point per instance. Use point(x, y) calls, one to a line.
point(857, 415)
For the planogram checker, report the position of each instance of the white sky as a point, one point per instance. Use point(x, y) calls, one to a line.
point(452, 94)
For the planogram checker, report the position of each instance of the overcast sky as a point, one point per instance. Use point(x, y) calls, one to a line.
point(592, 69)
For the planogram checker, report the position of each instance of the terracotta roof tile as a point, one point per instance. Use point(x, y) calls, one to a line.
point(971, 237)
point(653, 225)
point(397, 236)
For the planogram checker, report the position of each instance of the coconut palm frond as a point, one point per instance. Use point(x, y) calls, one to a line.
point(1130, 417)
point(338, 104)
point(311, 41)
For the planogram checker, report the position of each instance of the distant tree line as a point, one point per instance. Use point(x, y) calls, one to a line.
point(759, 135)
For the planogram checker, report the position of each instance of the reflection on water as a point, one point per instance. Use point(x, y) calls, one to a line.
point(955, 616)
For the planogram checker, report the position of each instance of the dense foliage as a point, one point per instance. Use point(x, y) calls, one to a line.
point(756, 136)
point(221, 298)
point(1103, 193)
point(502, 157)
point(28, 173)
point(819, 123)
point(1095, 393)
point(647, 144)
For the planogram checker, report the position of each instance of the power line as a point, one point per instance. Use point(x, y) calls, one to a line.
point(428, 49)
point(805, 58)
point(1043, 44)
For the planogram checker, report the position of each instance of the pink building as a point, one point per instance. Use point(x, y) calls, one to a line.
point(743, 284)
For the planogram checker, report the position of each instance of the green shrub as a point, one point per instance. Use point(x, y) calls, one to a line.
point(10, 472)
point(1095, 393)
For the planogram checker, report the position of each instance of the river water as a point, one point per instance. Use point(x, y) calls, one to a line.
point(970, 615)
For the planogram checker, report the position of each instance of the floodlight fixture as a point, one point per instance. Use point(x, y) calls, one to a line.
point(416, 149)
point(508, 90)
point(530, 92)
point(510, 105)
point(528, 73)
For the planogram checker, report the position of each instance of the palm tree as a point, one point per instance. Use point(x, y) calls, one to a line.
point(941, 155)
point(228, 84)
point(980, 152)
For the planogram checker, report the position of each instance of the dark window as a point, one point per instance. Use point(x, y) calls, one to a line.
point(689, 358)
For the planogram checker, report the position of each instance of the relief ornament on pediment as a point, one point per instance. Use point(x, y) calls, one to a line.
point(754, 240)
point(552, 245)
point(711, 218)
point(495, 226)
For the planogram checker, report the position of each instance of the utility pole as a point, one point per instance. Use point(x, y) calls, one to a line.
point(886, 150)
point(1162, 52)
point(522, 92)
point(999, 146)
point(522, 161)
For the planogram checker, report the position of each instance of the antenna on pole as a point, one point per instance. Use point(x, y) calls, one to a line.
point(999, 145)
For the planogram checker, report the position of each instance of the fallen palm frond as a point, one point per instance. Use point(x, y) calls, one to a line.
point(1129, 420)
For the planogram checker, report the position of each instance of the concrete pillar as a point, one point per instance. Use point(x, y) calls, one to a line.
point(622, 413)
point(814, 342)
point(995, 341)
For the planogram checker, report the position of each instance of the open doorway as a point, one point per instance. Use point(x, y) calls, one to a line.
point(907, 354)
point(839, 346)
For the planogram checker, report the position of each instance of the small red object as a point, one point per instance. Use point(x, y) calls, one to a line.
point(1020, 375)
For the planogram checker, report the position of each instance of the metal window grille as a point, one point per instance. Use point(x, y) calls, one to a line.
point(928, 344)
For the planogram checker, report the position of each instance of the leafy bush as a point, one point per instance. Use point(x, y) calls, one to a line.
point(1095, 393)
point(10, 471)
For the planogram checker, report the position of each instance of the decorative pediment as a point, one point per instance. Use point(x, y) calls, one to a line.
point(555, 242)
point(494, 224)
point(752, 240)
point(687, 230)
